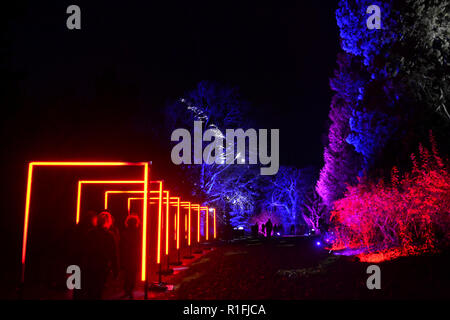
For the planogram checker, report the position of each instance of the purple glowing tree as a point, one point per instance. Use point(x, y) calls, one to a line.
point(342, 162)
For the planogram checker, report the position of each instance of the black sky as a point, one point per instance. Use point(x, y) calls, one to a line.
point(130, 57)
point(96, 93)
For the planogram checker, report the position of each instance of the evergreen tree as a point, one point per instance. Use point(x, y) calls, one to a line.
point(393, 88)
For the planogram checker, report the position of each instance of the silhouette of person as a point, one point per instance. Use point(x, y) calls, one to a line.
point(255, 230)
point(269, 227)
point(114, 229)
point(263, 229)
point(228, 232)
point(101, 256)
point(130, 244)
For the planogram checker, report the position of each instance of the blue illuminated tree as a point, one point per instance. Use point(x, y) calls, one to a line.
point(286, 192)
point(229, 187)
point(392, 85)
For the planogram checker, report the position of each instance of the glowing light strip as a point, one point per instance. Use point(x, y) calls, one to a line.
point(214, 210)
point(63, 163)
point(185, 225)
point(188, 204)
point(27, 212)
point(207, 227)
point(87, 163)
point(177, 217)
point(144, 228)
point(178, 223)
point(158, 248)
point(119, 192)
point(175, 227)
point(198, 220)
point(129, 203)
point(167, 221)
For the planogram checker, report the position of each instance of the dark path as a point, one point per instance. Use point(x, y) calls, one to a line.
point(246, 269)
point(294, 268)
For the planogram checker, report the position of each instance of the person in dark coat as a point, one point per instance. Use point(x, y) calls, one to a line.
point(269, 227)
point(255, 229)
point(130, 244)
point(292, 230)
point(101, 257)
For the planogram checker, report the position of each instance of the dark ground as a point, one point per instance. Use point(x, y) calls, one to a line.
point(294, 268)
point(288, 268)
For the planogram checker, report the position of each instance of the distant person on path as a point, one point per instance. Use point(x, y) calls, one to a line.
point(130, 242)
point(255, 230)
point(269, 227)
point(101, 256)
point(263, 229)
point(228, 232)
point(115, 230)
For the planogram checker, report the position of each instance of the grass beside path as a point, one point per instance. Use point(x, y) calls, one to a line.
point(294, 268)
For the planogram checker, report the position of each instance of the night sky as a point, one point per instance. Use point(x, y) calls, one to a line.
point(98, 93)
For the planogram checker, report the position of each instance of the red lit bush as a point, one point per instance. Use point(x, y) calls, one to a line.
point(407, 215)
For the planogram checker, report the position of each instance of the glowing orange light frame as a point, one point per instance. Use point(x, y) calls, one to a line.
point(129, 203)
point(167, 220)
point(144, 216)
point(187, 204)
point(178, 221)
point(108, 192)
point(160, 191)
point(206, 209)
point(81, 182)
point(214, 210)
point(33, 164)
point(135, 191)
point(177, 204)
point(197, 206)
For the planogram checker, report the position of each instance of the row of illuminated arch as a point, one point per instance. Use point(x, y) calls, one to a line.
point(147, 196)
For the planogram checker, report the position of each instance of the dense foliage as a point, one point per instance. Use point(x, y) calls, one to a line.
point(404, 216)
point(391, 87)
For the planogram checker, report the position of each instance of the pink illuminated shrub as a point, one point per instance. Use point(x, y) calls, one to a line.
point(407, 215)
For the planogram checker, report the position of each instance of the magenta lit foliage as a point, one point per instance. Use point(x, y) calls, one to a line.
point(408, 215)
point(365, 97)
point(341, 161)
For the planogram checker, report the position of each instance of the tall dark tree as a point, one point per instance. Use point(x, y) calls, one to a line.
point(392, 92)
